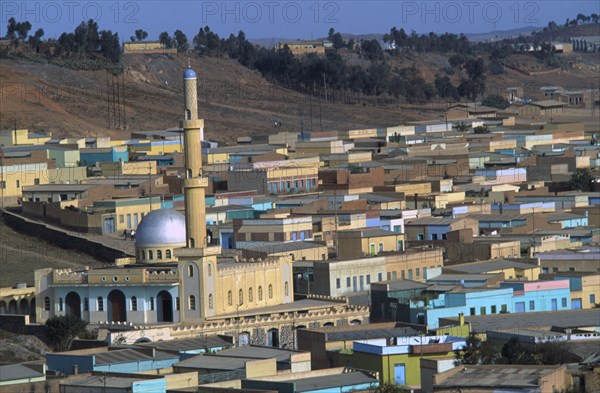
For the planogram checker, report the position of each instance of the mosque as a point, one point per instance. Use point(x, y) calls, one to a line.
point(179, 281)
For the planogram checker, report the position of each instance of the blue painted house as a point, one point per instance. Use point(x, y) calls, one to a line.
point(91, 156)
point(529, 296)
point(116, 360)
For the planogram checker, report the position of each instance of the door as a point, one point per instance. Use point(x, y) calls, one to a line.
point(520, 307)
point(244, 339)
point(129, 221)
point(354, 286)
point(109, 225)
point(400, 374)
point(362, 284)
point(576, 304)
point(372, 249)
point(116, 306)
point(554, 304)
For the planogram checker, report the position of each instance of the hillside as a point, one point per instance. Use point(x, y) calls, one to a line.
point(233, 99)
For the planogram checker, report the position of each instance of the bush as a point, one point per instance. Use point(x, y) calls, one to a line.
point(62, 330)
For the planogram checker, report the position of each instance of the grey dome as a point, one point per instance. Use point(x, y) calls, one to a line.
point(161, 227)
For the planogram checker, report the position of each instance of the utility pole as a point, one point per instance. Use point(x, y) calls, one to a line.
point(2, 181)
point(336, 223)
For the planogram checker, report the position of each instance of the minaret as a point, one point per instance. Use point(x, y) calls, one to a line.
point(194, 183)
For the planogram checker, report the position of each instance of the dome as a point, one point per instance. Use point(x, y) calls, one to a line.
point(189, 74)
point(161, 227)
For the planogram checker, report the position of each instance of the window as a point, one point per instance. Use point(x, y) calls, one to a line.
point(571, 269)
point(158, 254)
point(60, 304)
point(472, 311)
point(121, 219)
point(425, 273)
point(368, 279)
point(379, 277)
point(410, 274)
point(190, 270)
point(444, 237)
point(192, 242)
point(531, 305)
point(133, 303)
point(380, 247)
point(270, 291)
point(286, 289)
point(168, 254)
point(314, 182)
point(46, 303)
point(482, 310)
point(151, 304)
point(348, 283)
point(402, 274)
point(260, 297)
point(210, 301)
point(209, 269)
point(394, 275)
point(100, 303)
point(592, 299)
point(241, 297)
point(86, 304)
point(150, 255)
point(192, 302)
point(36, 182)
point(250, 295)
point(229, 298)
point(417, 272)
point(18, 183)
point(143, 254)
point(3, 184)
point(338, 283)
point(493, 309)
point(434, 236)
point(564, 302)
point(503, 308)
point(554, 270)
point(177, 303)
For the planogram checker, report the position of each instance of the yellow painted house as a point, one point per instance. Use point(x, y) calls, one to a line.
point(19, 137)
point(397, 359)
point(511, 270)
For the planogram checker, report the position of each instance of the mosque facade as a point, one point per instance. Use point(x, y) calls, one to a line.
point(178, 280)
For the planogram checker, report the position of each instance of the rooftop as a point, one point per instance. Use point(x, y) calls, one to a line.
point(489, 376)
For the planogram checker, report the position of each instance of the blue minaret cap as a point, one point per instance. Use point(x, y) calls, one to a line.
point(189, 74)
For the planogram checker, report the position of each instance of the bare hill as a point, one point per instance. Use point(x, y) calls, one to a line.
point(233, 99)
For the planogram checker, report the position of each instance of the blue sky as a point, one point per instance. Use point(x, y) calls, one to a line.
point(291, 19)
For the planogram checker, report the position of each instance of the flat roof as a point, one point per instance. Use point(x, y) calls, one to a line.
point(402, 285)
point(188, 343)
point(498, 376)
point(258, 352)
point(271, 248)
point(534, 320)
point(486, 266)
point(99, 381)
point(211, 362)
point(58, 187)
point(364, 334)
point(299, 305)
point(13, 372)
point(331, 381)
point(127, 355)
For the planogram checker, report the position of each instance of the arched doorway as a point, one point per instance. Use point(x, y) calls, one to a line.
point(24, 307)
point(116, 306)
point(73, 304)
point(355, 322)
point(328, 324)
point(3, 307)
point(32, 317)
point(164, 307)
point(12, 307)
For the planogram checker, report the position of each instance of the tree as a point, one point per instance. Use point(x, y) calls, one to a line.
point(11, 29)
point(391, 388)
point(166, 40)
point(496, 101)
point(515, 353)
point(140, 35)
point(62, 330)
point(481, 130)
point(581, 180)
point(477, 352)
point(181, 41)
point(461, 126)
